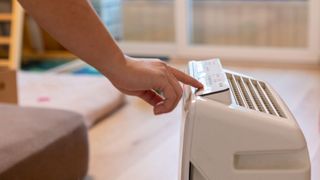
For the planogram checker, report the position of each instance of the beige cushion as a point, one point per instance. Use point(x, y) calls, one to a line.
point(42, 144)
point(93, 97)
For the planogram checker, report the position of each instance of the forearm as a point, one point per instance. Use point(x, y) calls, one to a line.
point(77, 27)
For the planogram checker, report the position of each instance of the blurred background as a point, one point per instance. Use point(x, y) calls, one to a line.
point(239, 30)
point(268, 23)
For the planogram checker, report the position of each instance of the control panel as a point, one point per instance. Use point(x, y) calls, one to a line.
point(211, 74)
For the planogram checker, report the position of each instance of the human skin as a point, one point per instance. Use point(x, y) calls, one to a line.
point(75, 25)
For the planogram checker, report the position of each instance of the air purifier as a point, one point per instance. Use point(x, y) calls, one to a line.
point(238, 128)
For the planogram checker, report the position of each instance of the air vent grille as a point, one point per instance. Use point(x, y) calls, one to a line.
point(254, 95)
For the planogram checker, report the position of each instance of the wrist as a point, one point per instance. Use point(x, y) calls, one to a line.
point(114, 65)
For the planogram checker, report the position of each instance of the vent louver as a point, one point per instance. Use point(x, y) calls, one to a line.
point(254, 95)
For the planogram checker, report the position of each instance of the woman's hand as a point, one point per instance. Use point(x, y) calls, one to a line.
point(143, 77)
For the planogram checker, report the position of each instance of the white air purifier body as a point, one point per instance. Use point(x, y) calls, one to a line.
point(238, 128)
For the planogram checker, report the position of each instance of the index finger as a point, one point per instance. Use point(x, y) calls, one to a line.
point(184, 78)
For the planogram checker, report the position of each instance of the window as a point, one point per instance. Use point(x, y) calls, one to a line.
point(138, 20)
point(260, 30)
point(259, 23)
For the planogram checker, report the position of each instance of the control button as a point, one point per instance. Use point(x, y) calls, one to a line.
point(201, 75)
point(199, 68)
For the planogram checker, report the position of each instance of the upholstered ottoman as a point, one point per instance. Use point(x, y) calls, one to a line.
point(94, 97)
point(42, 144)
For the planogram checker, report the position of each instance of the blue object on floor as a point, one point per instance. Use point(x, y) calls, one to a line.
point(87, 70)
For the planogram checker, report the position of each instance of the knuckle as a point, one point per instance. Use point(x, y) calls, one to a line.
point(163, 69)
point(161, 63)
point(162, 75)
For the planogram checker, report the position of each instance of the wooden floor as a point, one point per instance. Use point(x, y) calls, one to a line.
point(133, 144)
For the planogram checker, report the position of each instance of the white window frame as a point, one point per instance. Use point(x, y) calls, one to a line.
point(182, 49)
